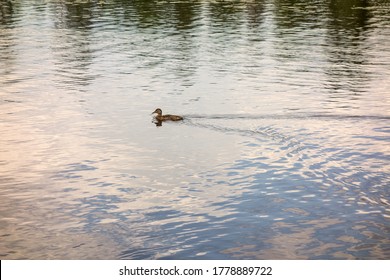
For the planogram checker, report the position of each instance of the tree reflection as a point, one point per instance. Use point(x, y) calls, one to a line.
point(180, 23)
point(6, 11)
point(72, 48)
point(74, 14)
point(349, 15)
point(7, 44)
point(255, 13)
point(346, 33)
point(226, 12)
point(186, 14)
point(298, 14)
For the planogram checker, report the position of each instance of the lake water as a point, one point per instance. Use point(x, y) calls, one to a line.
point(284, 151)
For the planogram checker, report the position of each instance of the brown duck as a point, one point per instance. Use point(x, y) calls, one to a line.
point(161, 118)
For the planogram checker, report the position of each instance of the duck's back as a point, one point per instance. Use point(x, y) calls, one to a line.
point(172, 118)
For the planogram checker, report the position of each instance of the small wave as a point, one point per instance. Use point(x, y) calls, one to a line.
point(11, 101)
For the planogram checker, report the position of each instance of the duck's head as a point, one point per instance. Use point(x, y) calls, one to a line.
point(157, 111)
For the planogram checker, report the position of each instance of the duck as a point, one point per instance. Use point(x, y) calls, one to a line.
point(161, 118)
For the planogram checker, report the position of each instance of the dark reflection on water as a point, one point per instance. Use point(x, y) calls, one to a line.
point(282, 154)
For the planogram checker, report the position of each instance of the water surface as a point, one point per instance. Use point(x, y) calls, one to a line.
point(283, 154)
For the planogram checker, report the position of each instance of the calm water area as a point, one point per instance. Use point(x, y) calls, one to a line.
point(283, 153)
